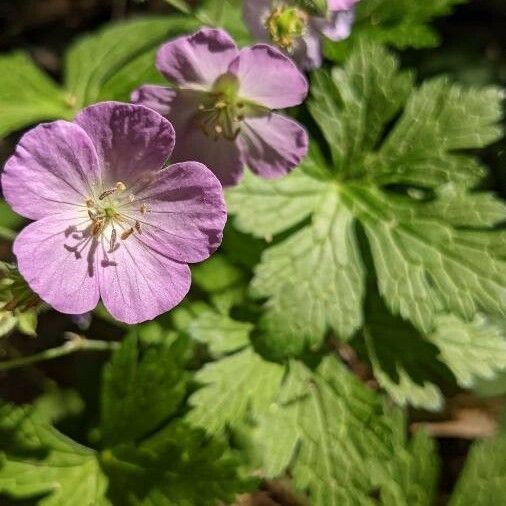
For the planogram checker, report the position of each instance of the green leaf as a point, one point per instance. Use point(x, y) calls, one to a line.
point(216, 274)
point(401, 23)
point(226, 14)
point(178, 466)
point(145, 459)
point(474, 350)
point(404, 363)
point(232, 388)
point(180, 5)
point(414, 469)
point(426, 259)
point(339, 444)
point(139, 70)
point(27, 95)
point(221, 333)
point(131, 404)
point(106, 65)
point(95, 59)
point(483, 480)
point(44, 462)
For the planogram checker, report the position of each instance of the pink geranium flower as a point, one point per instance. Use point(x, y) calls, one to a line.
point(222, 105)
point(296, 28)
point(111, 221)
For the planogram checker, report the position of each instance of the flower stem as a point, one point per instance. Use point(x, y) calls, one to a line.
point(75, 343)
point(7, 234)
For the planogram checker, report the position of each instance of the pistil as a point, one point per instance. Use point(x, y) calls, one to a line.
point(286, 25)
point(107, 212)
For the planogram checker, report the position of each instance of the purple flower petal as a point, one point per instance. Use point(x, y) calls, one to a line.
point(196, 61)
point(255, 13)
point(131, 140)
point(123, 241)
point(52, 170)
point(341, 5)
point(158, 98)
point(187, 214)
point(59, 263)
point(220, 155)
point(273, 145)
point(138, 284)
point(338, 27)
point(308, 51)
point(269, 78)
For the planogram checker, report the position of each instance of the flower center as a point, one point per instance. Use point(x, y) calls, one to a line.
point(110, 214)
point(221, 112)
point(285, 25)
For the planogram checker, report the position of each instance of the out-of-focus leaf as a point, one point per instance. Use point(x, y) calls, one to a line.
point(483, 480)
point(180, 5)
point(221, 333)
point(139, 394)
point(93, 60)
point(399, 23)
point(27, 94)
point(226, 14)
point(41, 461)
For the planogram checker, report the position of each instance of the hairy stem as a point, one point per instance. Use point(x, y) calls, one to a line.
point(75, 343)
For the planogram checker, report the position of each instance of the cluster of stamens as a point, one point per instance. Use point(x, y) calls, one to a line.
point(107, 213)
point(220, 117)
point(285, 25)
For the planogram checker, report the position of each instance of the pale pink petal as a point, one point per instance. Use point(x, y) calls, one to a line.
point(268, 77)
point(196, 60)
point(186, 215)
point(59, 260)
point(138, 284)
point(131, 140)
point(273, 145)
point(52, 170)
point(255, 12)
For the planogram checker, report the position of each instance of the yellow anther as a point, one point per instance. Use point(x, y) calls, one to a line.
point(121, 187)
point(127, 233)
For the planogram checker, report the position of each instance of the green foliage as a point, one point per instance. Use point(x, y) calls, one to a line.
point(27, 95)
point(221, 333)
point(409, 366)
point(483, 480)
point(333, 435)
point(233, 387)
point(415, 469)
point(430, 253)
point(107, 65)
point(45, 463)
point(145, 458)
point(94, 60)
point(399, 23)
point(226, 14)
point(127, 391)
